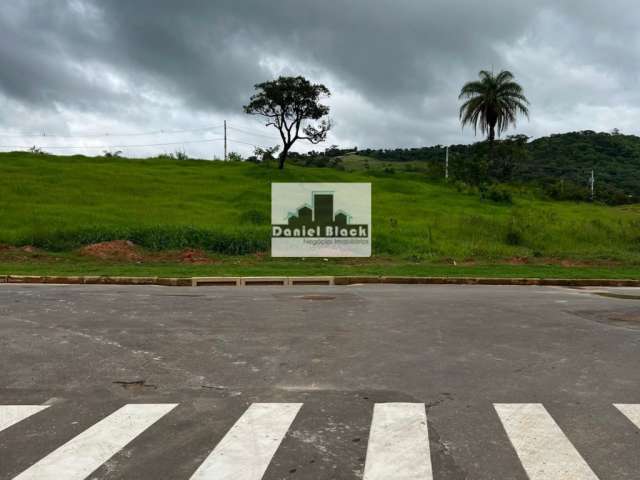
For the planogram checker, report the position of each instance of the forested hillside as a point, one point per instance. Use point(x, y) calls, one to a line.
point(560, 164)
point(614, 158)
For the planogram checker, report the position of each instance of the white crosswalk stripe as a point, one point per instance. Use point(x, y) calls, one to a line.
point(398, 446)
point(247, 449)
point(398, 443)
point(544, 450)
point(78, 458)
point(12, 414)
point(631, 411)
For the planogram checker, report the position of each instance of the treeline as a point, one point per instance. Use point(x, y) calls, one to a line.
point(560, 165)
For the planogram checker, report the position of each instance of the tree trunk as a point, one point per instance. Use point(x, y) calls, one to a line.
point(492, 137)
point(283, 156)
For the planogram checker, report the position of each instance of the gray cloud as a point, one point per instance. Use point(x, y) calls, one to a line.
point(395, 68)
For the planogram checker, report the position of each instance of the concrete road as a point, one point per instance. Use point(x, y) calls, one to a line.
point(377, 382)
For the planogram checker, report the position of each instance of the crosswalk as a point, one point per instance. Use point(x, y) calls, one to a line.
point(398, 445)
point(246, 451)
point(544, 451)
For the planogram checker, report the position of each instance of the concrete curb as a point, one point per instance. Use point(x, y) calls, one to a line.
point(563, 282)
point(318, 280)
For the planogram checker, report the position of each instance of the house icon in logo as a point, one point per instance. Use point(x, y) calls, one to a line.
point(320, 215)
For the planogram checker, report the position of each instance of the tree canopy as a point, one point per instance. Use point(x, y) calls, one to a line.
point(492, 103)
point(293, 106)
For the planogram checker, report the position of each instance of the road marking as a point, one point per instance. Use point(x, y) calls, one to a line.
point(631, 411)
point(398, 446)
point(248, 447)
point(79, 457)
point(544, 450)
point(12, 414)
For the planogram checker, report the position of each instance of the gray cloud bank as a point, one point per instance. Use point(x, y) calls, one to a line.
point(77, 67)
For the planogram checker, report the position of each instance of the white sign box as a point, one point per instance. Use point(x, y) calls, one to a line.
point(321, 220)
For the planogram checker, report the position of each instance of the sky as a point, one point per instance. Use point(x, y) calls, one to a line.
point(156, 76)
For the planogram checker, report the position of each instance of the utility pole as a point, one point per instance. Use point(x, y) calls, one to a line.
point(592, 183)
point(446, 165)
point(225, 140)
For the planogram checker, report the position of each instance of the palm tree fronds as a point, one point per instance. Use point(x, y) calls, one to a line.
point(492, 103)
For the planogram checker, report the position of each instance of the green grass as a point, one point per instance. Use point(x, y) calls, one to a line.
point(73, 264)
point(62, 203)
point(362, 163)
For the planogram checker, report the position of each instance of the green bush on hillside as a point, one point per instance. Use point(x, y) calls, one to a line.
point(496, 193)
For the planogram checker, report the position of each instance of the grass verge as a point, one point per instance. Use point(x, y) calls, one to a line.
point(73, 264)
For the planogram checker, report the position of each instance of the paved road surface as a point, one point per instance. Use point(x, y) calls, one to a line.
point(374, 382)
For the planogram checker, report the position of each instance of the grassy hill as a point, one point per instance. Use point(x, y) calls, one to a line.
point(59, 204)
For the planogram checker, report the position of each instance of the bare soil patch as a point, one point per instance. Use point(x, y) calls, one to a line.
point(126, 251)
point(195, 257)
point(116, 250)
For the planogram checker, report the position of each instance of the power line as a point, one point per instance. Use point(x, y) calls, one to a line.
point(106, 147)
point(254, 134)
point(74, 147)
point(225, 138)
point(99, 135)
point(245, 143)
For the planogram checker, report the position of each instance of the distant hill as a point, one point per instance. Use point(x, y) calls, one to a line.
point(615, 159)
point(563, 159)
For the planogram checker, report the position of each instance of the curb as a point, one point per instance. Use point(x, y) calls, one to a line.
point(308, 281)
point(560, 282)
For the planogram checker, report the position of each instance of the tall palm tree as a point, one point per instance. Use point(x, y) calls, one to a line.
point(492, 103)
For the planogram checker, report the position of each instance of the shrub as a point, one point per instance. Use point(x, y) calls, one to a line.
point(514, 235)
point(496, 193)
point(254, 217)
point(513, 238)
point(234, 157)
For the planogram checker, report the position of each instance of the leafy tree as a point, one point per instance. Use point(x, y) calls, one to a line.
point(492, 103)
point(37, 150)
point(266, 154)
point(112, 154)
point(180, 155)
point(234, 157)
point(289, 104)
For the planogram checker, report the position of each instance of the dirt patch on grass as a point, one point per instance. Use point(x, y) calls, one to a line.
point(19, 254)
point(116, 250)
point(195, 257)
point(128, 252)
point(569, 263)
point(517, 261)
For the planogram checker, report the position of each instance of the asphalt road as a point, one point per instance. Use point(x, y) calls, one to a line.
point(376, 382)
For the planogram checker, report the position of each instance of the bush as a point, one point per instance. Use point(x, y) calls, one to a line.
point(566, 190)
point(254, 217)
point(496, 193)
point(513, 238)
point(515, 228)
point(177, 155)
point(234, 157)
point(462, 187)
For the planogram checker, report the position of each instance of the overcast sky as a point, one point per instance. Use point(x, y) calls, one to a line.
point(84, 68)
